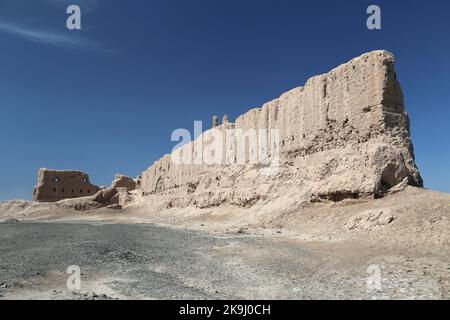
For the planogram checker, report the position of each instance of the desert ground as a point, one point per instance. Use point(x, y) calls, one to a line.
point(323, 250)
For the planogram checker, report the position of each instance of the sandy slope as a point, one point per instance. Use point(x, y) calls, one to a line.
point(414, 218)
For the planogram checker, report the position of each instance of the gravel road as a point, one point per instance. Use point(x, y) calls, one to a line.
point(143, 261)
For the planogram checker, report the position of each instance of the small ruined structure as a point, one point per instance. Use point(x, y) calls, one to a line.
point(112, 197)
point(72, 189)
point(122, 181)
point(344, 134)
point(56, 185)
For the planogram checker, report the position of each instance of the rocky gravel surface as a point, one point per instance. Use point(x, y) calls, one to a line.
point(144, 261)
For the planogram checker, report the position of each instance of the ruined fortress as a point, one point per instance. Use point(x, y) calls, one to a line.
point(56, 185)
point(345, 134)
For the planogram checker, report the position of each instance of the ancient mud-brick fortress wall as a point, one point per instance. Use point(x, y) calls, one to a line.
point(345, 131)
point(55, 185)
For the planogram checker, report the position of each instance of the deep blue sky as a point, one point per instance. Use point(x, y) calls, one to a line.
point(106, 99)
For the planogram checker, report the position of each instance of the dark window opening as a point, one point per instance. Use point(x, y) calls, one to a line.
point(62, 190)
point(81, 190)
point(54, 189)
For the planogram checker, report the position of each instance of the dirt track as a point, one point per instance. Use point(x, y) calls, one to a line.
point(143, 261)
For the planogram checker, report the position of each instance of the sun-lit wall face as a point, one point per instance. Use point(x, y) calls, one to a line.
point(55, 185)
point(349, 123)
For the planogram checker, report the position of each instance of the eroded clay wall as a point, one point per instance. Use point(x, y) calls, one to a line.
point(55, 185)
point(352, 104)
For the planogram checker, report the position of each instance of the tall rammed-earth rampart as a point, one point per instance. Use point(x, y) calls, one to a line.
point(345, 133)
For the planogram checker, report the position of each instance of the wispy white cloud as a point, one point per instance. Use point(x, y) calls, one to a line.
point(89, 5)
point(63, 39)
point(44, 34)
point(85, 4)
